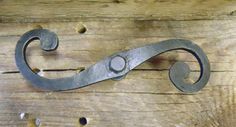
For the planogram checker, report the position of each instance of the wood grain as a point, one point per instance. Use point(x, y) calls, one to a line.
point(73, 10)
point(146, 96)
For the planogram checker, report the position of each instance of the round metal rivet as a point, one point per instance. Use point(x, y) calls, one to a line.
point(117, 64)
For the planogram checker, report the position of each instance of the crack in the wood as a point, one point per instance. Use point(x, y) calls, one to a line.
point(82, 68)
point(10, 72)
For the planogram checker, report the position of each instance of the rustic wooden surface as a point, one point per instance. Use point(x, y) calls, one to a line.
point(146, 96)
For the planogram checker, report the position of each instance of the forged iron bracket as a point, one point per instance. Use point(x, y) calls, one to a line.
point(115, 66)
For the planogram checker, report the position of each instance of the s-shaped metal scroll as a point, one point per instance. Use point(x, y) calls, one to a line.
point(113, 67)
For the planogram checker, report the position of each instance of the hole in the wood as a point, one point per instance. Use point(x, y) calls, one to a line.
point(38, 71)
point(83, 121)
point(82, 69)
point(80, 28)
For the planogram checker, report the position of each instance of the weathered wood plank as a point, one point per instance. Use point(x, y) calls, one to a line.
point(145, 97)
point(217, 38)
point(147, 101)
point(135, 81)
point(73, 10)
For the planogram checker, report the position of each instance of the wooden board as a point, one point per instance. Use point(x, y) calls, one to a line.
point(74, 10)
point(146, 96)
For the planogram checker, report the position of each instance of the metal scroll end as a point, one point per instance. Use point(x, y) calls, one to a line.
point(179, 72)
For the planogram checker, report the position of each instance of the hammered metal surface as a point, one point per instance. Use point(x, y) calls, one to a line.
point(121, 63)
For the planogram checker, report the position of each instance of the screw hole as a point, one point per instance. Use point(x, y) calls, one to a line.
point(83, 121)
point(36, 70)
point(80, 28)
point(82, 69)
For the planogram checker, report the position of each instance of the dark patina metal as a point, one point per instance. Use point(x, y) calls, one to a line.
point(115, 66)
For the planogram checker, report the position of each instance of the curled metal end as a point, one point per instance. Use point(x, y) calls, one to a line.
point(113, 67)
point(48, 42)
point(179, 71)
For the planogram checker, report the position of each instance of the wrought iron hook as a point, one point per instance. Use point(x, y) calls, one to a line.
point(115, 66)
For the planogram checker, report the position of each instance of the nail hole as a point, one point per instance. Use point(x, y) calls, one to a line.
point(83, 121)
point(36, 70)
point(80, 28)
point(82, 69)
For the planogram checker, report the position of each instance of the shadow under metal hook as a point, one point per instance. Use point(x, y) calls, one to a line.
point(114, 66)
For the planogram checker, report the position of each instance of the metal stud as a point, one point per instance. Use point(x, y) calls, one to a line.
point(117, 64)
